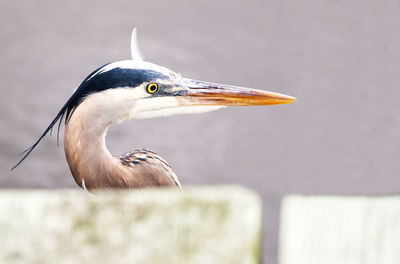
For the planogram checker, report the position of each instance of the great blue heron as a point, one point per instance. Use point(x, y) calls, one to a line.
point(130, 89)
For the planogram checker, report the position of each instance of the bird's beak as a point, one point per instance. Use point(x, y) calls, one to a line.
point(206, 93)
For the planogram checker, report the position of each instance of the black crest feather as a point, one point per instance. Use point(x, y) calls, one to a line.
point(66, 109)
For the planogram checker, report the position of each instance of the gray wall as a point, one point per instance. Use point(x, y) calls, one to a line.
point(341, 59)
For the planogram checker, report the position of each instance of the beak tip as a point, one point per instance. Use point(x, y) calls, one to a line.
point(292, 99)
point(286, 99)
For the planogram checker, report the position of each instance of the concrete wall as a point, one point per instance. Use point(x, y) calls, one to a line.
point(203, 225)
point(332, 229)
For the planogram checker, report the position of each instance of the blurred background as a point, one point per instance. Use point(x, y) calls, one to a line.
point(341, 59)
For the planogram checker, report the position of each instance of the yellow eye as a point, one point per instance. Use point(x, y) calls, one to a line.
point(152, 88)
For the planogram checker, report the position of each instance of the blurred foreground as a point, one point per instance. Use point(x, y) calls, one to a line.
point(203, 225)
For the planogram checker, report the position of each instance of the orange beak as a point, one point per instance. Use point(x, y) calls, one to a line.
point(206, 93)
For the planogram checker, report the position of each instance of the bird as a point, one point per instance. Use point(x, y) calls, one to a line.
point(135, 89)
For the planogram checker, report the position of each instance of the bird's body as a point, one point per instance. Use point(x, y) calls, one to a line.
point(135, 89)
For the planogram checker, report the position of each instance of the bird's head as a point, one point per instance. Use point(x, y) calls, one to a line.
point(139, 89)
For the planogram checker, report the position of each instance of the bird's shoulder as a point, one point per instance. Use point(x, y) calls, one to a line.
point(148, 162)
point(138, 156)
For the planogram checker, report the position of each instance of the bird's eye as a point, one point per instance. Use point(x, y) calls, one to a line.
point(152, 88)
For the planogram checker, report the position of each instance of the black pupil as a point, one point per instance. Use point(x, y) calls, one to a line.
point(153, 87)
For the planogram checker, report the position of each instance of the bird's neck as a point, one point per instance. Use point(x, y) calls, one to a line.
point(89, 160)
